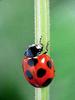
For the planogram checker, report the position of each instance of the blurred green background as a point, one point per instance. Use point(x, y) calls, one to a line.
point(17, 32)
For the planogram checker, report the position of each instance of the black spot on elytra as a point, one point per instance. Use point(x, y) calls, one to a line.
point(29, 75)
point(41, 72)
point(47, 82)
point(32, 62)
point(49, 64)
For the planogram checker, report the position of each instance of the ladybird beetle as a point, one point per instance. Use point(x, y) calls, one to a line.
point(38, 68)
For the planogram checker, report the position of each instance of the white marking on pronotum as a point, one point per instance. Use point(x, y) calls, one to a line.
point(39, 46)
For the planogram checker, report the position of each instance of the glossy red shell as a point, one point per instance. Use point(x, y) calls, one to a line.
point(38, 71)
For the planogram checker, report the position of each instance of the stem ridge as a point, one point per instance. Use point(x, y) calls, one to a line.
point(42, 31)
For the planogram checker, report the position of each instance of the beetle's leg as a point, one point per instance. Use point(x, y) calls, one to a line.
point(43, 45)
point(41, 42)
point(40, 39)
point(46, 47)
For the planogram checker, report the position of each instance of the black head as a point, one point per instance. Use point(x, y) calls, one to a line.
point(33, 50)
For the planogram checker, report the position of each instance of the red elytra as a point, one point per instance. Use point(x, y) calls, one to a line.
point(38, 71)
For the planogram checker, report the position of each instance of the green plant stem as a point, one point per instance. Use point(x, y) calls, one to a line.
point(42, 31)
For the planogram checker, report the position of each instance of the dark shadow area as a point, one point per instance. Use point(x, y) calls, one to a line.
point(10, 93)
